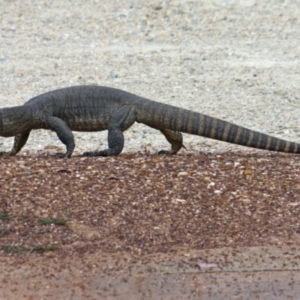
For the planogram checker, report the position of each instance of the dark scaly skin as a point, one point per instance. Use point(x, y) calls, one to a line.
point(96, 108)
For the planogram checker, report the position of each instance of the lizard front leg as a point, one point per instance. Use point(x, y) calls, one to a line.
point(64, 133)
point(121, 120)
point(19, 142)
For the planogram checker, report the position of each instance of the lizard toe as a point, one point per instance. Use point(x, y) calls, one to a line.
point(165, 152)
point(61, 155)
point(89, 153)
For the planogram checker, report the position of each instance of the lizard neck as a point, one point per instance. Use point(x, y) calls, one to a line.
point(15, 120)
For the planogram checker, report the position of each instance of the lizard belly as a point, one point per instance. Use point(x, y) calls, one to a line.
point(85, 117)
point(87, 125)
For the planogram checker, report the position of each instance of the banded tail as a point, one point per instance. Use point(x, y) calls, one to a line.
point(183, 120)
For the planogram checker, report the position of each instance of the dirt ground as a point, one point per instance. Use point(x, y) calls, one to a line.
point(213, 222)
point(139, 225)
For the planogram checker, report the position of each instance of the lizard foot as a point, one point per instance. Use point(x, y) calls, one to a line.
point(62, 155)
point(107, 152)
point(90, 153)
point(165, 152)
point(174, 150)
point(95, 153)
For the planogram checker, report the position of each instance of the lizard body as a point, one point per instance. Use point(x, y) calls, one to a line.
point(96, 108)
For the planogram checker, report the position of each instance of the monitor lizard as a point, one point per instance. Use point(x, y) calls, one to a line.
point(96, 108)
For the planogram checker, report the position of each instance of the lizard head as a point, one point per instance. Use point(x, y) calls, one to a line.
point(12, 120)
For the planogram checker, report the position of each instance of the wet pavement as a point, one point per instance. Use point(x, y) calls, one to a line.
point(228, 273)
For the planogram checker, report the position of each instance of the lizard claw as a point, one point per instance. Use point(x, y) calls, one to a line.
point(106, 152)
point(89, 153)
point(62, 155)
point(165, 152)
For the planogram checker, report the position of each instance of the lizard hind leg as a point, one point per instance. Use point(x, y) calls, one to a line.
point(174, 138)
point(121, 120)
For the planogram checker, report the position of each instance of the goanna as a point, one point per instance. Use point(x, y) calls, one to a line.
point(96, 108)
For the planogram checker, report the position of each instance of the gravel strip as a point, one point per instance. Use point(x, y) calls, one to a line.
point(143, 204)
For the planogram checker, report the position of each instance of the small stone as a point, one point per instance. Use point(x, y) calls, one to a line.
point(248, 172)
point(182, 174)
